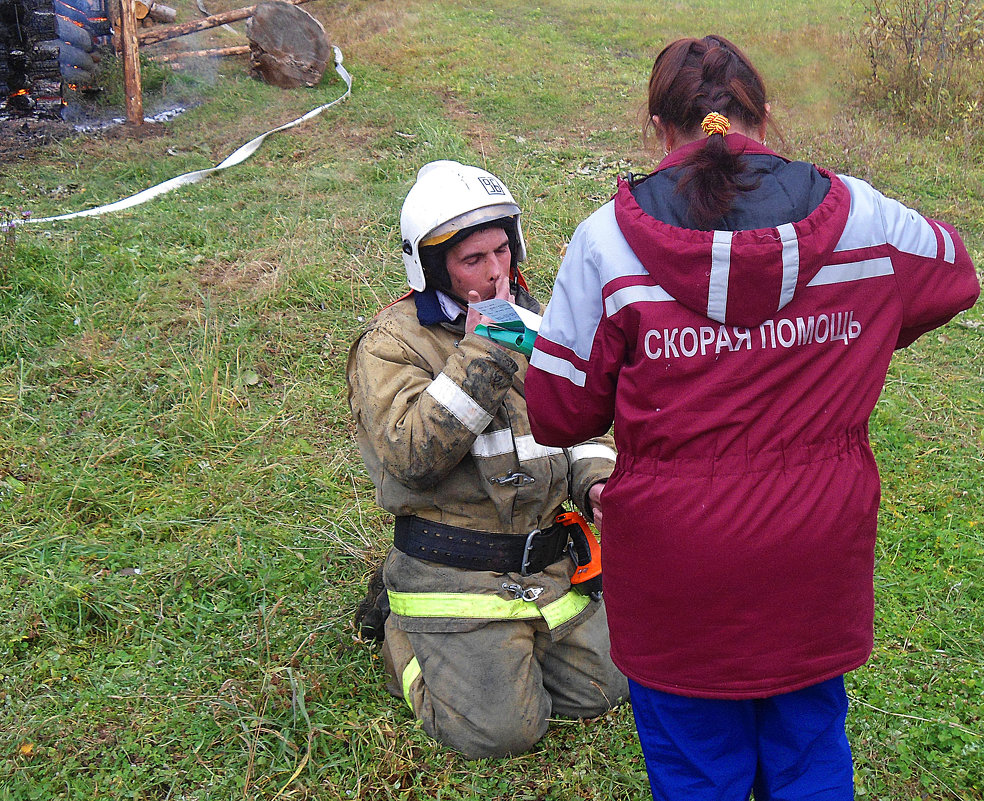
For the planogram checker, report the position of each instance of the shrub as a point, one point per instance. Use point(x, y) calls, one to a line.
point(925, 58)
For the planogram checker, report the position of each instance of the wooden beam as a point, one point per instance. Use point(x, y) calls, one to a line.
point(236, 50)
point(155, 35)
point(131, 63)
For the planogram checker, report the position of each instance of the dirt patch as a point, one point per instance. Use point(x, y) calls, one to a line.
point(253, 278)
point(19, 136)
point(23, 140)
point(22, 137)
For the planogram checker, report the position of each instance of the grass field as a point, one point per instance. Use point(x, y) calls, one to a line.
point(186, 523)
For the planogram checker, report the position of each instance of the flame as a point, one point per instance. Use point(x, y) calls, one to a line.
point(19, 93)
point(69, 19)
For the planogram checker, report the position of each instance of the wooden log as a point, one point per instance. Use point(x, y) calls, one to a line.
point(218, 52)
point(183, 29)
point(131, 63)
point(158, 12)
point(114, 15)
point(289, 46)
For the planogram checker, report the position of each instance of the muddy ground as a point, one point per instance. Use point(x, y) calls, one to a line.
point(20, 136)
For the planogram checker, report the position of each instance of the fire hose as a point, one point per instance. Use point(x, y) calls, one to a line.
point(237, 157)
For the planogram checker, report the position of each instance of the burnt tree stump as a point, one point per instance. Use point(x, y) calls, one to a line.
point(288, 47)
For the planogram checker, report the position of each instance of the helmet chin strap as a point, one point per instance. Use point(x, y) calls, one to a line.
point(516, 280)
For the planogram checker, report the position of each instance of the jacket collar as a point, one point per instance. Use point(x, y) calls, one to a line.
point(430, 308)
point(737, 143)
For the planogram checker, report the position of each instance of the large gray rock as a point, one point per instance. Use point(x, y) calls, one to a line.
point(288, 47)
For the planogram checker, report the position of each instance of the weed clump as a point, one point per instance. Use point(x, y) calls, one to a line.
point(924, 58)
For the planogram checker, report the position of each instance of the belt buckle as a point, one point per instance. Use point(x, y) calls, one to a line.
point(515, 479)
point(526, 551)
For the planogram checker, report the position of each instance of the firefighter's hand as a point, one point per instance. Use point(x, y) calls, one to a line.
point(594, 499)
point(475, 318)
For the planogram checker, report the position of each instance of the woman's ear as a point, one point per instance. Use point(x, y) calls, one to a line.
point(665, 134)
point(764, 127)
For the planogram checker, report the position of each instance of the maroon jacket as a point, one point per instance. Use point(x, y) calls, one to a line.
point(740, 368)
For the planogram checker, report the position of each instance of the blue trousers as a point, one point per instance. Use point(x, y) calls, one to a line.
point(790, 747)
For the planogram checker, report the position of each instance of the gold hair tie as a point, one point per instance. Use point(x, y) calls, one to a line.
point(715, 123)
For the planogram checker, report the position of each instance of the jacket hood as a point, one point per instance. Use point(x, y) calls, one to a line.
point(744, 276)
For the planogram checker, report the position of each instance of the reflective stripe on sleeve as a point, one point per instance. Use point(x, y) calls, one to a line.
point(592, 450)
point(621, 298)
point(477, 606)
point(564, 608)
point(852, 271)
point(559, 367)
point(453, 398)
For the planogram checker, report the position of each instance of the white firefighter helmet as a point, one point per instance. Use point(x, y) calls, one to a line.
point(449, 197)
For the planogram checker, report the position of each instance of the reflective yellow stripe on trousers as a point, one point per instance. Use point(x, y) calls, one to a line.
point(410, 673)
point(474, 605)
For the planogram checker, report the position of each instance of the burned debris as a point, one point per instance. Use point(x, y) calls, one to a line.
point(44, 46)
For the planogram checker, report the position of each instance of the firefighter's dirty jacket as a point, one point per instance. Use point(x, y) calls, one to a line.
point(443, 431)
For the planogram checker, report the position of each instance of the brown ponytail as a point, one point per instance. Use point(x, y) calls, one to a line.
point(690, 79)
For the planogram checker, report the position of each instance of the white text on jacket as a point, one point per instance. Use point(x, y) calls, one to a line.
point(675, 343)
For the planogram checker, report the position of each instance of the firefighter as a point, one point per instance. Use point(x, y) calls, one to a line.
point(483, 634)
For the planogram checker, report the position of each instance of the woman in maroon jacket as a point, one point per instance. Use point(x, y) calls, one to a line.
point(734, 314)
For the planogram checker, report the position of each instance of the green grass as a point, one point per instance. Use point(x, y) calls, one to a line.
point(187, 526)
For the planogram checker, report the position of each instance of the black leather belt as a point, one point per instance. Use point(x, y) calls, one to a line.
point(480, 550)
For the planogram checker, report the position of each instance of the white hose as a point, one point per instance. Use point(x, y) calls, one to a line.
point(237, 157)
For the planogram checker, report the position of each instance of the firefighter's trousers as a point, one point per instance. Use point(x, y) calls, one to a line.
point(489, 691)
